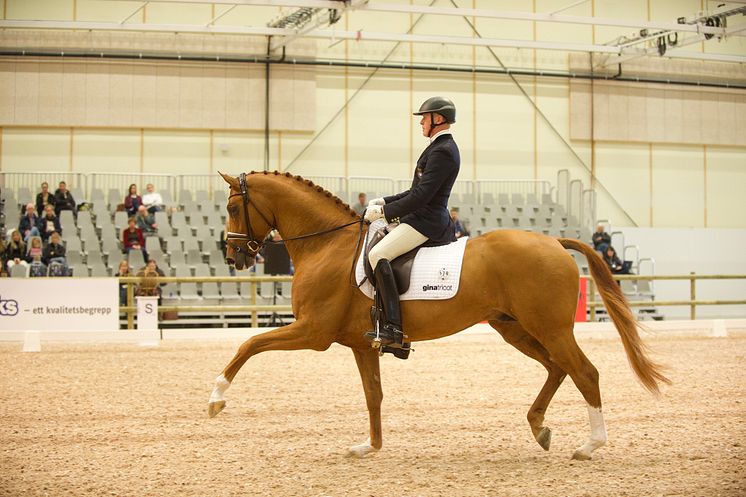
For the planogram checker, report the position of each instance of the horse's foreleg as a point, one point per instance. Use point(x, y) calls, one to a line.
point(513, 333)
point(367, 364)
point(291, 337)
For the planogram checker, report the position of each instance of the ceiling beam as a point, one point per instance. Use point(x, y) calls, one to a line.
point(319, 34)
point(460, 12)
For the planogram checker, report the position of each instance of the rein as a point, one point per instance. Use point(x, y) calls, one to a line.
point(253, 246)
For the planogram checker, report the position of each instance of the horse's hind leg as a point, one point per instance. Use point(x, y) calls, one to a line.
point(295, 336)
point(564, 350)
point(513, 333)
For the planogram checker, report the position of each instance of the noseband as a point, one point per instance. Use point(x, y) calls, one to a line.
point(246, 241)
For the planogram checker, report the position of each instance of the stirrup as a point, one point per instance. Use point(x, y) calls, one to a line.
point(389, 336)
point(402, 353)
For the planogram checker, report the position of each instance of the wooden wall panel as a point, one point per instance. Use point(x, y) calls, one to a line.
point(237, 97)
point(121, 90)
point(27, 94)
point(214, 99)
point(190, 96)
point(638, 111)
point(660, 113)
point(8, 95)
point(186, 95)
point(167, 96)
point(656, 113)
point(50, 93)
point(144, 95)
point(73, 93)
point(97, 94)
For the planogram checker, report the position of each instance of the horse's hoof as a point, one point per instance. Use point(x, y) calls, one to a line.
point(544, 438)
point(360, 451)
point(214, 408)
point(581, 455)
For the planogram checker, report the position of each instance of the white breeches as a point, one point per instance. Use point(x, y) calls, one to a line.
point(401, 240)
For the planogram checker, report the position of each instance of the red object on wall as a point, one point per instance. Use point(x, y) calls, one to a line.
point(580, 315)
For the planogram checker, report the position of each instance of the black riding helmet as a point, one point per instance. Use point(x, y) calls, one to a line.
point(438, 105)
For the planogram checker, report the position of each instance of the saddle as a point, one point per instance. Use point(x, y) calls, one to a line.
point(402, 265)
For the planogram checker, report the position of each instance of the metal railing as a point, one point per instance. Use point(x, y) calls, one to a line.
point(83, 184)
point(105, 181)
point(254, 308)
point(692, 303)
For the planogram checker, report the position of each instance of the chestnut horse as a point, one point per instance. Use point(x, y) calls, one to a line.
point(524, 284)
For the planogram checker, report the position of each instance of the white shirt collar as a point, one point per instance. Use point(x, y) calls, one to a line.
point(440, 133)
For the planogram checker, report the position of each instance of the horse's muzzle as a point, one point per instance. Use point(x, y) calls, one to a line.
point(240, 260)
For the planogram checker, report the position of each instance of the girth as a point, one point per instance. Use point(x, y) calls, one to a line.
point(402, 265)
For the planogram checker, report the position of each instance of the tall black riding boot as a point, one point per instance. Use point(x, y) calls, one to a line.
point(390, 333)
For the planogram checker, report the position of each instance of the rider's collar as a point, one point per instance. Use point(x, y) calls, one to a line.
point(440, 133)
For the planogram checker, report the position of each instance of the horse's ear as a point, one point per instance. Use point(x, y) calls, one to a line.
point(230, 180)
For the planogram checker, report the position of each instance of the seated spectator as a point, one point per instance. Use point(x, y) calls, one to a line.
point(601, 239)
point(124, 270)
point(362, 203)
point(49, 223)
point(35, 250)
point(132, 201)
point(459, 228)
point(132, 238)
point(149, 286)
point(152, 200)
point(55, 251)
point(15, 251)
point(145, 222)
point(29, 224)
point(44, 198)
point(613, 261)
point(63, 199)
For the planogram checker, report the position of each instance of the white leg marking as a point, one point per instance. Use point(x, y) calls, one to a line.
point(221, 385)
point(598, 434)
point(217, 400)
point(361, 450)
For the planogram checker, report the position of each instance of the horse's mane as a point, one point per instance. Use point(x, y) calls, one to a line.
point(310, 184)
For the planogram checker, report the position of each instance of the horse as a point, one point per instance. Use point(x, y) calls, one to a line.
point(525, 285)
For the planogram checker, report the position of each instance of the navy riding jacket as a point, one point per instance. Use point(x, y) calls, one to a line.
point(425, 205)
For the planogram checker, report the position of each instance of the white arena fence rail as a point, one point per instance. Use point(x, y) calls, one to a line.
point(252, 305)
point(254, 308)
point(594, 302)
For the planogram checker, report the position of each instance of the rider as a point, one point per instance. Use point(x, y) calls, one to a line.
point(421, 213)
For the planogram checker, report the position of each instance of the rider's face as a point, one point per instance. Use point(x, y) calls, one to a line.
point(425, 123)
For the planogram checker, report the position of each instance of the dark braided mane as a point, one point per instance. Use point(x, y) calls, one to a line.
point(319, 189)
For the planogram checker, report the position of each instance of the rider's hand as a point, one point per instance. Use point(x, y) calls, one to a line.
point(373, 212)
point(376, 201)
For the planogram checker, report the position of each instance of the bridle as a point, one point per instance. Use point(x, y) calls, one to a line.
point(247, 242)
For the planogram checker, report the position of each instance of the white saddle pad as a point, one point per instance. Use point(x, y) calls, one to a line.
point(436, 271)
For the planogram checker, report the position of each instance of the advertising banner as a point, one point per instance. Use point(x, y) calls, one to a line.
point(59, 304)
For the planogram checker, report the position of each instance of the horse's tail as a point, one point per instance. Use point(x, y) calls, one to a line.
point(648, 372)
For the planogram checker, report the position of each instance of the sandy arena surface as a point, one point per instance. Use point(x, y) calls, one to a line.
point(98, 420)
